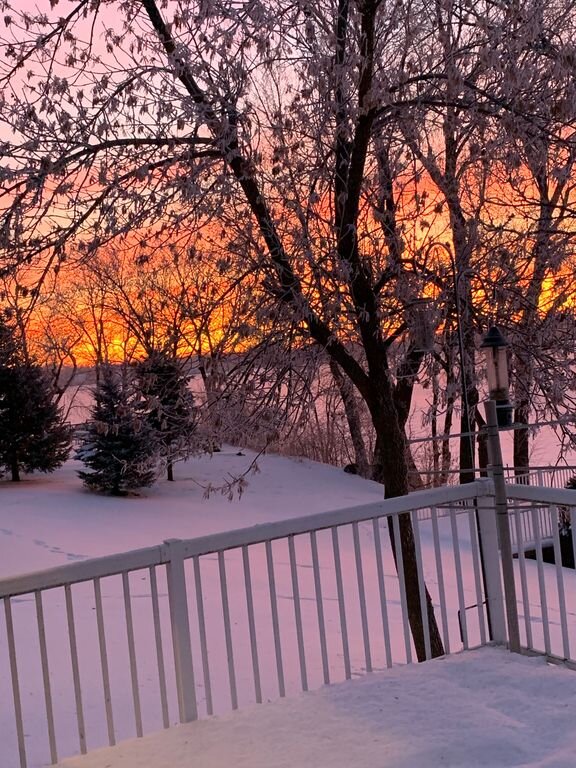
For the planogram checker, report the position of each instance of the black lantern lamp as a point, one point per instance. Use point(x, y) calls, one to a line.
point(494, 346)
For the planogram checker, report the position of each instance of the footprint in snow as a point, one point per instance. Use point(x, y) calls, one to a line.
point(59, 551)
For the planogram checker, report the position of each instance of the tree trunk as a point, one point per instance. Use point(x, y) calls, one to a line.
point(469, 399)
point(391, 468)
point(521, 442)
point(482, 445)
point(170, 470)
point(446, 452)
point(352, 412)
point(415, 482)
point(15, 468)
point(524, 378)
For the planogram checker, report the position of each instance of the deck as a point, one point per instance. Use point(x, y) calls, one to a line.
point(478, 708)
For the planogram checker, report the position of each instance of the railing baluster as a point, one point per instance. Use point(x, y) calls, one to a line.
point(541, 579)
point(227, 630)
point(421, 587)
point(132, 653)
point(382, 590)
point(159, 649)
point(402, 582)
point(75, 669)
point(15, 683)
point(477, 572)
point(46, 677)
point(517, 514)
point(251, 624)
point(275, 622)
point(440, 576)
point(513, 537)
point(297, 613)
point(362, 596)
point(459, 579)
point(202, 633)
point(341, 603)
point(104, 662)
point(549, 521)
point(560, 582)
point(320, 608)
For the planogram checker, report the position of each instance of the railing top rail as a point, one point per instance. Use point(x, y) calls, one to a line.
point(539, 493)
point(111, 565)
point(278, 530)
point(85, 570)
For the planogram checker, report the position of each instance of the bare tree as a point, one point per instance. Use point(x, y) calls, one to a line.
point(208, 117)
point(277, 126)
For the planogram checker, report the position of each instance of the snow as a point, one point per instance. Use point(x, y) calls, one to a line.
point(47, 521)
point(479, 708)
point(50, 520)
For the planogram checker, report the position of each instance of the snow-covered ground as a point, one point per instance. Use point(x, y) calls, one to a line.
point(47, 521)
point(479, 708)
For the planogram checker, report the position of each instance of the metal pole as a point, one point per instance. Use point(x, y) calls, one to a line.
point(501, 504)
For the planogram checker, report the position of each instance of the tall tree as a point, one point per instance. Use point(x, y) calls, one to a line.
point(33, 435)
point(169, 406)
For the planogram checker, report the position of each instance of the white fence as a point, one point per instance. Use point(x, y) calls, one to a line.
point(522, 532)
point(103, 650)
point(553, 477)
point(546, 592)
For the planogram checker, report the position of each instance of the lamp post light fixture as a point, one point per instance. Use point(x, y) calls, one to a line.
point(495, 354)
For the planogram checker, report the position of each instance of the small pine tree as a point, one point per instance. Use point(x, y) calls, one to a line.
point(33, 435)
point(117, 444)
point(170, 406)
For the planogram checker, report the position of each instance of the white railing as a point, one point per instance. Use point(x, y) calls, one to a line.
point(522, 517)
point(543, 588)
point(553, 477)
point(99, 651)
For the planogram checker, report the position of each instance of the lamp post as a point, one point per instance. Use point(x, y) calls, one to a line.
point(499, 414)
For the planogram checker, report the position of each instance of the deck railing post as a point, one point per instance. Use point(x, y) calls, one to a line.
point(503, 525)
point(180, 626)
point(493, 580)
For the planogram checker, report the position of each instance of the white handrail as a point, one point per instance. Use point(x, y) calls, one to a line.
point(542, 494)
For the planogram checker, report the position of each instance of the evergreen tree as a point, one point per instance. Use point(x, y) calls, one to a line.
point(170, 406)
point(33, 435)
point(117, 445)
